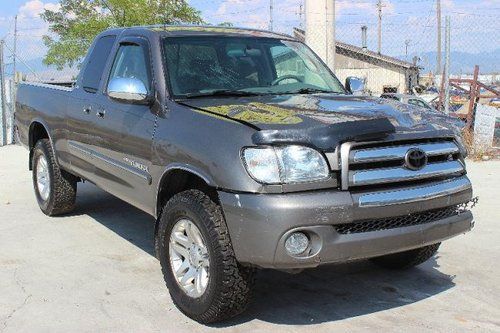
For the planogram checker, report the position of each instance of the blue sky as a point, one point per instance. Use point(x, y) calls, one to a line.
point(475, 23)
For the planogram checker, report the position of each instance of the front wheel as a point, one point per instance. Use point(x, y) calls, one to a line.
point(55, 189)
point(407, 259)
point(198, 263)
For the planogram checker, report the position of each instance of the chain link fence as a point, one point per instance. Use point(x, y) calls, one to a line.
point(22, 60)
point(406, 62)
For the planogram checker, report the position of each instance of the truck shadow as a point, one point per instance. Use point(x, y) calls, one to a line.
point(336, 292)
point(118, 216)
point(324, 294)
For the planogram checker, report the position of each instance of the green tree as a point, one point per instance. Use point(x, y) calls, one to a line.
point(77, 22)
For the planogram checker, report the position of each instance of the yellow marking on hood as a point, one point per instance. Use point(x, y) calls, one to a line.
point(257, 113)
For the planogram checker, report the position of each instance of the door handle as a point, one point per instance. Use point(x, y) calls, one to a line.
point(101, 113)
point(87, 110)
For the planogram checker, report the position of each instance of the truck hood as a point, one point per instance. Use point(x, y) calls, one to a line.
point(324, 120)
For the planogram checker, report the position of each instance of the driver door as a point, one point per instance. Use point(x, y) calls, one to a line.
point(124, 155)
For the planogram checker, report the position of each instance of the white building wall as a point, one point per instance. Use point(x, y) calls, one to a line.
point(377, 77)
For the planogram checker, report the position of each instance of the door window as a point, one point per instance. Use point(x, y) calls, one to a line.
point(130, 62)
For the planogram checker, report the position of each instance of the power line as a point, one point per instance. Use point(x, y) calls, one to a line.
point(427, 24)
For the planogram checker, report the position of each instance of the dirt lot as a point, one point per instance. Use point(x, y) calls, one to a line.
point(95, 271)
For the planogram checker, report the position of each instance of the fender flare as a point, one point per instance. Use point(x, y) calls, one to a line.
point(31, 144)
point(184, 167)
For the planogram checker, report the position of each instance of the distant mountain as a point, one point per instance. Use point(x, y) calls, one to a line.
point(463, 62)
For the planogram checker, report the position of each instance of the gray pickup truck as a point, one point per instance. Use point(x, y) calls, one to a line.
point(249, 153)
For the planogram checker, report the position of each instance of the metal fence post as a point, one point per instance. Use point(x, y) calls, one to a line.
point(3, 105)
point(12, 99)
point(448, 69)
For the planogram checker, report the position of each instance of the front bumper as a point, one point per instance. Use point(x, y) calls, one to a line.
point(260, 223)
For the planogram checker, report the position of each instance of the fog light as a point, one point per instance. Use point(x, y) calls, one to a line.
point(297, 243)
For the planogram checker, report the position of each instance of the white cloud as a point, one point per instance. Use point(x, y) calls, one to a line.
point(30, 26)
point(344, 7)
point(255, 14)
point(33, 8)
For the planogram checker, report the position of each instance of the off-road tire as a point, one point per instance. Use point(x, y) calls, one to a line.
point(229, 289)
point(62, 195)
point(407, 259)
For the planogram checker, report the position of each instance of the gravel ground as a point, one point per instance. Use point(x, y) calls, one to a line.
point(95, 271)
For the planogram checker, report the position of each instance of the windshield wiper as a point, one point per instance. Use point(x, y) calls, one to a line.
point(223, 92)
point(310, 91)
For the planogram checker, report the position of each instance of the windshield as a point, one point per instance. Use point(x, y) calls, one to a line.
point(201, 66)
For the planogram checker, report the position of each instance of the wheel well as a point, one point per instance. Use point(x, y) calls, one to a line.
point(177, 181)
point(37, 132)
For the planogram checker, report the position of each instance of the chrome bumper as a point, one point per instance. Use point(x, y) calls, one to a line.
point(414, 194)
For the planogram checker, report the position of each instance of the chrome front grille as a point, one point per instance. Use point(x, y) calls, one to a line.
point(372, 164)
point(401, 174)
point(380, 154)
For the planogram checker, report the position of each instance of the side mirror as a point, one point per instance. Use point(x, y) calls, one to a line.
point(354, 85)
point(128, 90)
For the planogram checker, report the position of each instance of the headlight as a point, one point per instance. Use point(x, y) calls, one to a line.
point(288, 164)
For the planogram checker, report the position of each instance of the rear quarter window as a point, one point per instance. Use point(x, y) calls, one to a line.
point(95, 65)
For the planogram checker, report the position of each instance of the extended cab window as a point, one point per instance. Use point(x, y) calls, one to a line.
point(95, 65)
point(130, 62)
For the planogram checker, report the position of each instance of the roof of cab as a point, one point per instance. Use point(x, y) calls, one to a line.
point(200, 30)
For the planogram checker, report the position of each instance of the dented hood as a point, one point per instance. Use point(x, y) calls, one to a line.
point(324, 120)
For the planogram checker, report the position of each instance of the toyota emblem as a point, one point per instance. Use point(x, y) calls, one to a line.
point(415, 159)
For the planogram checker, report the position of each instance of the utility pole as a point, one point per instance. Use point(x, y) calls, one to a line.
point(320, 29)
point(271, 15)
point(438, 56)
point(3, 105)
point(447, 51)
point(379, 6)
point(301, 14)
point(330, 33)
point(407, 43)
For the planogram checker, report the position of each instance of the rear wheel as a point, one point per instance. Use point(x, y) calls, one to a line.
point(407, 259)
point(55, 189)
point(198, 263)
